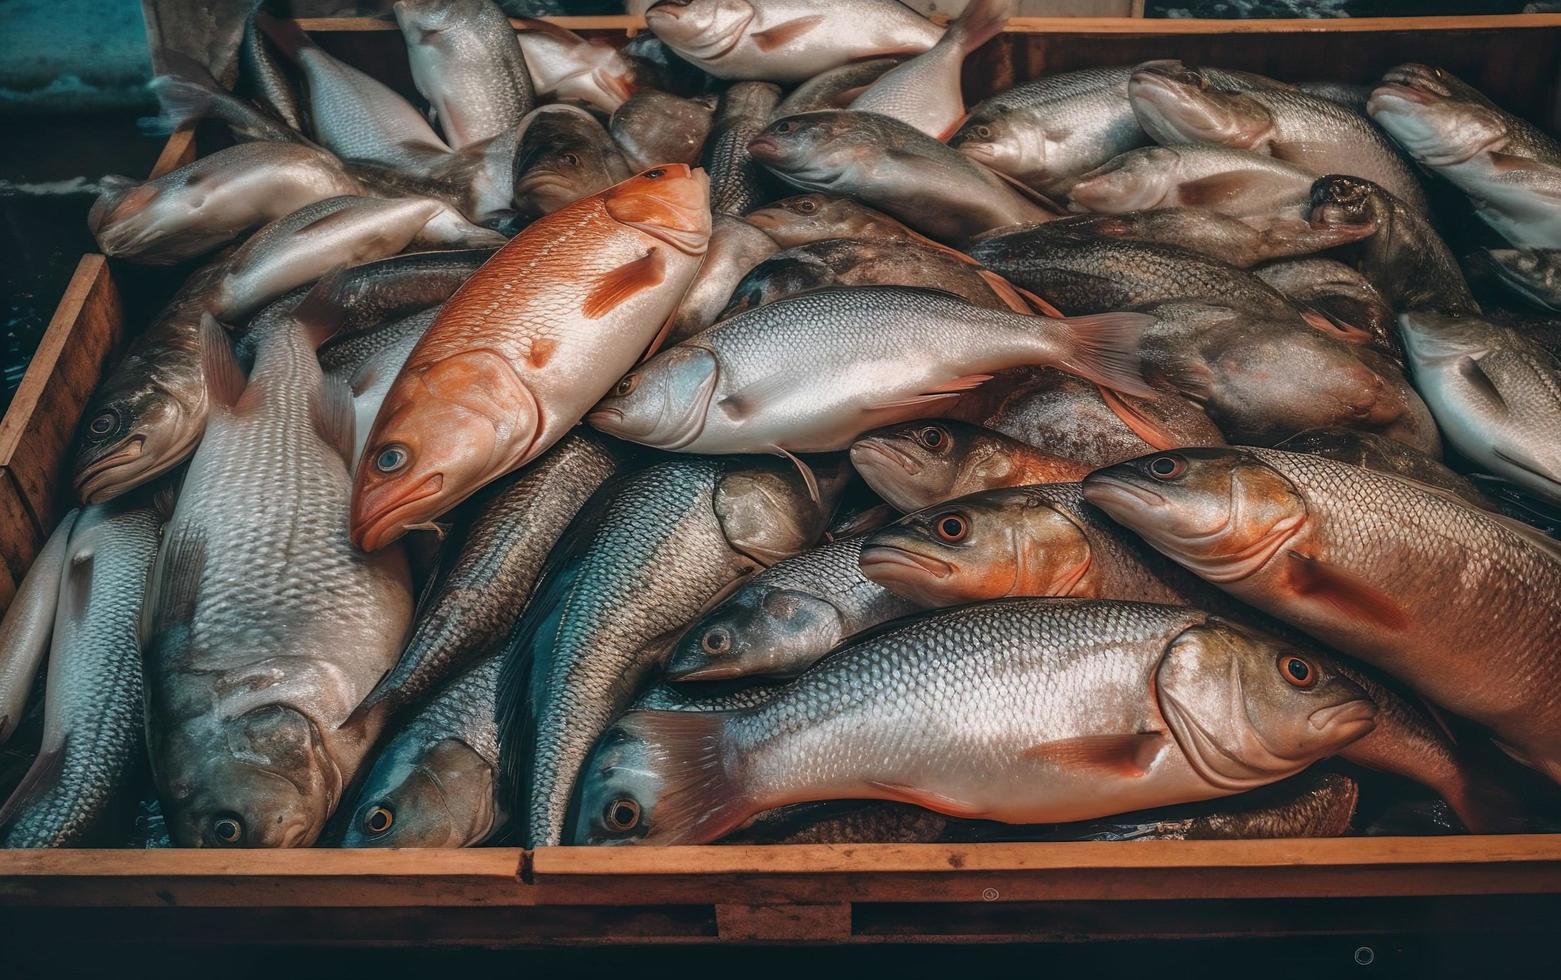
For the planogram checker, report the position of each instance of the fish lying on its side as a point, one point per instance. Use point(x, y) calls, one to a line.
point(28, 624)
point(566, 67)
point(736, 247)
point(466, 62)
point(738, 183)
point(564, 155)
point(654, 127)
point(1228, 181)
point(1243, 242)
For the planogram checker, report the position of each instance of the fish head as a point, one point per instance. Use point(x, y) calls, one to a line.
point(1349, 204)
point(423, 21)
point(776, 278)
point(707, 30)
point(1247, 709)
point(439, 795)
point(1135, 181)
point(664, 402)
point(1012, 143)
point(760, 632)
point(1527, 272)
point(1434, 123)
point(136, 430)
point(988, 545)
point(670, 203)
point(1432, 338)
point(1175, 104)
point(1224, 513)
point(446, 428)
point(815, 149)
point(563, 157)
point(916, 464)
point(814, 217)
point(260, 779)
point(766, 510)
point(619, 788)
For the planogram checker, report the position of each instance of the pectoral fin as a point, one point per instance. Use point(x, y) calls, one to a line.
point(1128, 755)
point(783, 34)
point(616, 287)
point(1144, 427)
point(929, 800)
point(1344, 591)
point(947, 390)
point(1470, 371)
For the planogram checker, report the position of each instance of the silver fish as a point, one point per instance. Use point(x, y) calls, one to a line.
point(1243, 242)
point(835, 88)
point(28, 624)
point(1533, 274)
point(566, 67)
point(370, 382)
point(735, 248)
point(262, 77)
point(188, 93)
point(1239, 183)
point(467, 64)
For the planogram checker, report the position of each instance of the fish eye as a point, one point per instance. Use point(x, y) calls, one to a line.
point(655, 174)
point(621, 815)
point(570, 159)
point(933, 437)
point(378, 819)
point(983, 132)
point(1298, 672)
point(716, 641)
point(1167, 467)
point(805, 206)
point(784, 127)
point(626, 385)
point(103, 423)
point(951, 527)
point(228, 829)
point(392, 458)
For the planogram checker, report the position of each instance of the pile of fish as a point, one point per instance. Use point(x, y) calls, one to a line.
point(735, 435)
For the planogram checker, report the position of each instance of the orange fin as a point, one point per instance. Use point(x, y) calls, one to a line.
point(541, 351)
point(616, 287)
point(943, 137)
point(929, 800)
point(1142, 425)
point(1109, 755)
point(1347, 332)
point(782, 34)
point(1005, 291)
point(1040, 305)
point(948, 388)
point(1345, 592)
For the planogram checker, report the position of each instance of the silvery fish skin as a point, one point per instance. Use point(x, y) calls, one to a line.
point(1509, 168)
point(654, 127)
point(892, 167)
point(736, 247)
point(925, 91)
point(787, 41)
point(1178, 106)
point(93, 737)
point(1384, 455)
point(652, 64)
point(262, 77)
point(835, 88)
point(639, 562)
point(738, 183)
point(205, 204)
point(567, 67)
point(1361, 560)
point(1235, 182)
point(1182, 707)
point(1243, 242)
point(917, 464)
point(1352, 97)
point(335, 233)
point(250, 678)
point(1399, 251)
point(1533, 274)
point(804, 218)
point(812, 372)
point(28, 624)
point(147, 415)
point(481, 597)
point(1340, 293)
point(436, 781)
point(565, 154)
point(1496, 394)
point(786, 618)
point(371, 381)
point(467, 64)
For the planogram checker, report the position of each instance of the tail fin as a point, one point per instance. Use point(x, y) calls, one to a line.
point(1103, 348)
point(701, 798)
point(184, 100)
point(42, 779)
point(981, 21)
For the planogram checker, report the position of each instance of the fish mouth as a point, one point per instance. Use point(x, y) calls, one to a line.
point(132, 465)
point(1335, 217)
point(765, 149)
point(87, 480)
point(1360, 713)
point(718, 46)
point(1205, 753)
point(1404, 93)
point(865, 450)
point(705, 671)
point(1100, 489)
point(543, 180)
point(886, 558)
point(381, 527)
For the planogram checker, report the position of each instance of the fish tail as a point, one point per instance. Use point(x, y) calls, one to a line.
point(1103, 348)
point(702, 797)
point(981, 21)
point(43, 776)
point(183, 100)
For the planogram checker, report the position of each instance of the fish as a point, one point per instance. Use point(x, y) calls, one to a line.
point(810, 373)
point(804, 218)
point(787, 41)
point(1361, 560)
point(1400, 253)
point(835, 88)
point(566, 67)
point(1510, 169)
point(93, 739)
point(896, 169)
point(654, 127)
point(1234, 182)
point(1533, 275)
point(1495, 392)
point(370, 381)
point(477, 180)
point(1352, 97)
point(1178, 106)
point(249, 677)
point(917, 464)
point(738, 183)
point(638, 563)
point(1242, 242)
point(467, 63)
point(263, 78)
point(843, 823)
point(187, 93)
point(736, 247)
point(565, 154)
point(787, 617)
point(1384, 455)
point(28, 625)
point(523, 350)
point(1182, 707)
point(478, 600)
point(148, 413)
point(335, 233)
point(1340, 293)
point(208, 203)
point(653, 65)
point(436, 781)
point(925, 91)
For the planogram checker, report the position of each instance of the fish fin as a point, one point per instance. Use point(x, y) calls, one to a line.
point(1469, 369)
point(184, 95)
point(702, 797)
point(618, 285)
point(783, 34)
point(739, 404)
point(980, 21)
point(1128, 755)
point(863, 522)
point(953, 128)
point(1144, 427)
point(1216, 189)
point(1508, 163)
point(808, 478)
point(46, 771)
point(1103, 348)
point(928, 800)
point(1344, 591)
point(225, 381)
point(947, 389)
point(1523, 461)
point(1005, 291)
point(846, 96)
point(1025, 190)
point(320, 313)
point(175, 589)
point(334, 418)
point(1334, 326)
point(949, 250)
point(554, 31)
point(1040, 305)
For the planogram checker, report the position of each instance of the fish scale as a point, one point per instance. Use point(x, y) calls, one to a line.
point(467, 63)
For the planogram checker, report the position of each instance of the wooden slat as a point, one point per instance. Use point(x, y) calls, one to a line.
point(178, 151)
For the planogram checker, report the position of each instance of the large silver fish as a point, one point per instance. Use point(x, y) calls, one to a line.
point(836, 88)
point(28, 624)
point(467, 64)
point(1239, 183)
point(1243, 242)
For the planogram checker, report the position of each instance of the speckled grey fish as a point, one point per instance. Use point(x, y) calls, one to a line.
point(436, 781)
point(1340, 293)
point(28, 624)
point(786, 618)
point(652, 128)
point(481, 597)
point(467, 63)
point(738, 183)
point(93, 736)
point(1181, 707)
point(1533, 274)
point(565, 154)
point(1384, 455)
point(1243, 242)
point(643, 557)
point(892, 167)
point(249, 677)
point(804, 218)
point(262, 78)
point(736, 247)
point(835, 88)
point(1236, 182)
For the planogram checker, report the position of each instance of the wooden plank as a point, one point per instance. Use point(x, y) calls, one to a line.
point(784, 923)
point(178, 151)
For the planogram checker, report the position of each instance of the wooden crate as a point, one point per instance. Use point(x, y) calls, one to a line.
point(784, 893)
